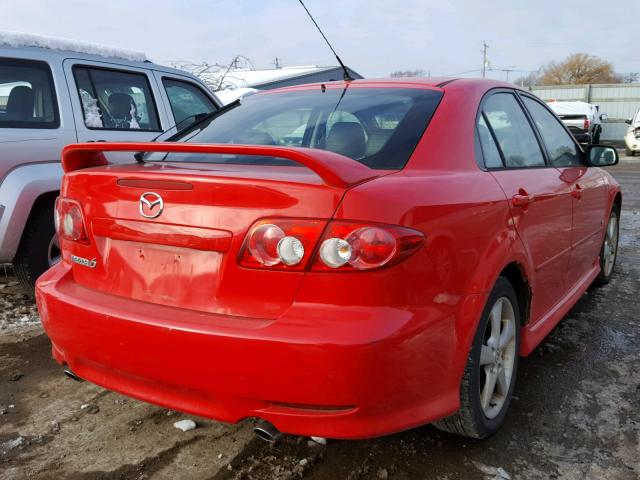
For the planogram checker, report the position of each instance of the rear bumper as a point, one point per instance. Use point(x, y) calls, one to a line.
point(337, 372)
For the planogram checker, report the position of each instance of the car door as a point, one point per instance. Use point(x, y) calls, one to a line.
point(183, 98)
point(114, 102)
point(540, 201)
point(587, 185)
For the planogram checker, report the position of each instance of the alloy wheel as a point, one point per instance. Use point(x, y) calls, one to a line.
point(610, 248)
point(497, 357)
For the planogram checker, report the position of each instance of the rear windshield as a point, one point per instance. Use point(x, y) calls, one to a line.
point(379, 127)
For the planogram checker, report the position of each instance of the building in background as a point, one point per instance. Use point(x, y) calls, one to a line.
point(619, 101)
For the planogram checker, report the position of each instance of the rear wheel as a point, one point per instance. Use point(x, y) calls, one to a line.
point(596, 138)
point(489, 377)
point(609, 250)
point(39, 248)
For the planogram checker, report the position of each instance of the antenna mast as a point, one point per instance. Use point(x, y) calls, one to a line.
point(344, 69)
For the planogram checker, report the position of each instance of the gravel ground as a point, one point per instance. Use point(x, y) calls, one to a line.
point(575, 414)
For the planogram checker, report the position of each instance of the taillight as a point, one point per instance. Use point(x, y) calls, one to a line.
point(354, 246)
point(586, 124)
point(69, 221)
point(288, 244)
point(280, 243)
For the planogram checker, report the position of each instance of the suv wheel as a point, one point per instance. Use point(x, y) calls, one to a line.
point(39, 248)
point(489, 378)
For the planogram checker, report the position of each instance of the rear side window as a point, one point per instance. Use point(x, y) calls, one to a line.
point(511, 129)
point(490, 151)
point(116, 100)
point(561, 148)
point(186, 100)
point(27, 95)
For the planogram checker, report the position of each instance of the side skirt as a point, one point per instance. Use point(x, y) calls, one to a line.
point(532, 335)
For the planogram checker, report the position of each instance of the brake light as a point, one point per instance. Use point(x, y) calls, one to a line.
point(586, 124)
point(280, 243)
point(69, 221)
point(350, 246)
point(288, 244)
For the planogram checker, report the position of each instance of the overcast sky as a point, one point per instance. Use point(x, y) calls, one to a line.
point(374, 37)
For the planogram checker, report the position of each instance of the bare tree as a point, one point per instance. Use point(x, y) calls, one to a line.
point(408, 73)
point(529, 80)
point(579, 68)
point(218, 76)
point(631, 77)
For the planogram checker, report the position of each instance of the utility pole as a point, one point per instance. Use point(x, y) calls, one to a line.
point(485, 62)
point(507, 71)
point(276, 62)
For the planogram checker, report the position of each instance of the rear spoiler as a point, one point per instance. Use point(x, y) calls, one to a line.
point(334, 169)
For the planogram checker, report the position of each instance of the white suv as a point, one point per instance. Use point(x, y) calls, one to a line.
point(56, 92)
point(632, 137)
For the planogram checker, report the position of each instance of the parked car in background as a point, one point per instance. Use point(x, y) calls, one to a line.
point(582, 119)
point(632, 137)
point(56, 92)
point(332, 258)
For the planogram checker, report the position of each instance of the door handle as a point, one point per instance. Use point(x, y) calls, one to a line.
point(577, 192)
point(522, 198)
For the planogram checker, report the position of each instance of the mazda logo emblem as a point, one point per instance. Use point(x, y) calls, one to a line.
point(151, 205)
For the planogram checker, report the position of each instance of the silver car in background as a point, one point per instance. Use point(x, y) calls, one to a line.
point(54, 92)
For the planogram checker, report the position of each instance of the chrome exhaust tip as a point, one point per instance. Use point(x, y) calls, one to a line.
point(267, 432)
point(69, 373)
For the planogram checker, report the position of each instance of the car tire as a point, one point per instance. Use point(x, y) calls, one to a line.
point(609, 249)
point(595, 140)
point(481, 414)
point(38, 248)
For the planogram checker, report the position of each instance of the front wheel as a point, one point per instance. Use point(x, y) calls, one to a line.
point(609, 250)
point(489, 377)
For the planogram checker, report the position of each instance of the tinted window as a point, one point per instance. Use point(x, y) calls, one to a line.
point(378, 127)
point(561, 148)
point(489, 149)
point(115, 100)
point(512, 130)
point(187, 100)
point(27, 98)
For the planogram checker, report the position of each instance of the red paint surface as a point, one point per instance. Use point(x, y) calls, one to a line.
point(171, 317)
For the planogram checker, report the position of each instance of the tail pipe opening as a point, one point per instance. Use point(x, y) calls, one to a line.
point(69, 373)
point(267, 432)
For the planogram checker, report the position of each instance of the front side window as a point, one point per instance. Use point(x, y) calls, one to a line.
point(27, 98)
point(115, 100)
point(186, 100)
point(512, 130)
point(561, 148)
point(379, 127)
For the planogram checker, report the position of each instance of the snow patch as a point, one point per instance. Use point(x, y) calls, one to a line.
point(185, 425)
point(20, 39)
point(92, 115)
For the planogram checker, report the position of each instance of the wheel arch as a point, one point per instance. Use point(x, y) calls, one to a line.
point(514, 272)
point(23, 190)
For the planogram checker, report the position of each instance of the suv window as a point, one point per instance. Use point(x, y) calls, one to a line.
point(186, 100)
point(561, 148)
point(115, 100)
point(27, 98)
point(515, 137)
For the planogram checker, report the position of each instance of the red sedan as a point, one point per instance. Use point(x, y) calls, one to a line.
point(343, 260)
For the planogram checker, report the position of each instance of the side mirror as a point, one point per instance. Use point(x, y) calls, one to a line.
point(602, 156)
point(604, 116)
point(628, 121)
